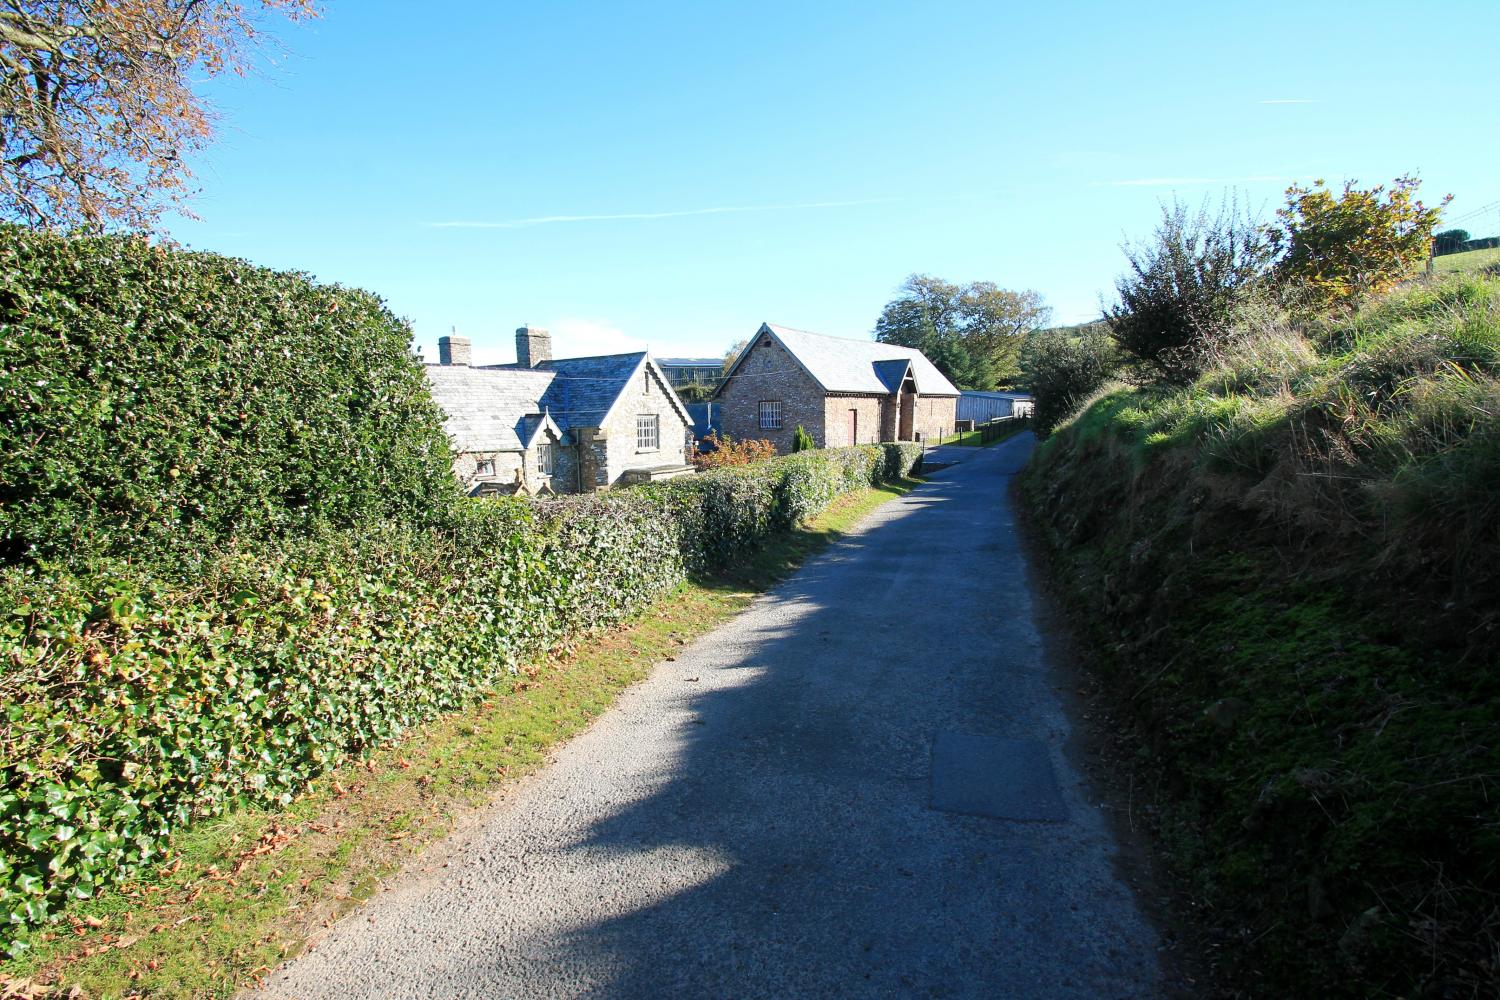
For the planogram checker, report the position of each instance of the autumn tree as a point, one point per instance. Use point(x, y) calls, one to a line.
point(973, 332)
point(97, 104)
point(1338, 247)
point(733, 353)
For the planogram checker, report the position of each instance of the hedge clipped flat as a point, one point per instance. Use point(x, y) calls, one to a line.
point(136, 703)
point(155, 403)
point(235, 554)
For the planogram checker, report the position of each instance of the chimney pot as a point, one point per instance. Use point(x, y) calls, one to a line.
point(533, 346)
point(453, 351)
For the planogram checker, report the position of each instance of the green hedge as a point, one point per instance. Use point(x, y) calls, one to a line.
point(133, 706)
point(155, 402)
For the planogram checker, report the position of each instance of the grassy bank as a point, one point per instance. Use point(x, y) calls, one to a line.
point(245, 890)
point(1287, 571)
point(1473, 260)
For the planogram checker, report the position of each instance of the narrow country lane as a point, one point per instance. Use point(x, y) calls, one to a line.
point(757, 819)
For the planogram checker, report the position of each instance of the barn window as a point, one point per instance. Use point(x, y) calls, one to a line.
point(647, 432)
point(770, 415)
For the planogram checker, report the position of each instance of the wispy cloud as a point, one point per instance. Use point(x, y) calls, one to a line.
point(1290, 100)
point(1188, 181)
point(547, 220)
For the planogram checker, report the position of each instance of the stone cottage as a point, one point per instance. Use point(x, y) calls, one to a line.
point(841, 391)
point(558, 425)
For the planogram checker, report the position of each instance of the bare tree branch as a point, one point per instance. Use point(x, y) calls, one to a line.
point(97, 110)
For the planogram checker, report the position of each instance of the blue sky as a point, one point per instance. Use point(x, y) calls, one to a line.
point(672, 174)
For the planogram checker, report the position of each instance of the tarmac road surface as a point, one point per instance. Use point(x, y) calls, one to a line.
point(757, 818)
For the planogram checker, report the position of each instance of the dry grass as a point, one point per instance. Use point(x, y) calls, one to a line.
point(1384, 425)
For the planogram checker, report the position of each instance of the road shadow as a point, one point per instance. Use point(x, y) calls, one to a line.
point(771, 834)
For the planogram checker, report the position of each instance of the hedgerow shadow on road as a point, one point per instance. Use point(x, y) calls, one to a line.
point(769, 833)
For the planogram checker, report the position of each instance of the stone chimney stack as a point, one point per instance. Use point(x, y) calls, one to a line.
point(533, 346)
point(453, 351)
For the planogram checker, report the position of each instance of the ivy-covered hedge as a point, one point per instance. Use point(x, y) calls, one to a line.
point(133, 705)
point(156, 402)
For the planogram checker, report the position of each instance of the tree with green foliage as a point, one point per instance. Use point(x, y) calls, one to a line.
point(1182, 287)
point(1063, 367)
point(972, 332)
point(1335, 249)
point(802, 441)
point(1450, 241)
point(694, 392)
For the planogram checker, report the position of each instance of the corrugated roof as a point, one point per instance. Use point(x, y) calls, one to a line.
point(689, 362)
point(988, 394)
point(842, 365)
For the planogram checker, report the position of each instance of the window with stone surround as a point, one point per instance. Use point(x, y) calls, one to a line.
point(770, 414)
point(647, 432)
point(484, 467)
point(544, 459)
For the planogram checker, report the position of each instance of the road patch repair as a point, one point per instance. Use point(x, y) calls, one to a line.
point(988, 776)
point(767, 815)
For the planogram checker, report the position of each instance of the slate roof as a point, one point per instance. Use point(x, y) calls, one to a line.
point(502, 407)
point(485, 408)
point(705, 418)
point(842, 365)
point(589, 386)
point(532, 424)
point(891, 373)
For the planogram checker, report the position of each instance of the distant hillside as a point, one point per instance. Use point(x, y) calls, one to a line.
point(1071, 330)
point(1468, 262)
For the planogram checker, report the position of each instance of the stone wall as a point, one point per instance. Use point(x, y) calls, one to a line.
point(836, 420)
point(619, 432)
point(933, 416)
point(770, 373)
point(506, 464)
point(564, 477)
point(592, 455)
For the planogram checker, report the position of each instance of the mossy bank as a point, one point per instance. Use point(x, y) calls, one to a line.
point(1288, 572)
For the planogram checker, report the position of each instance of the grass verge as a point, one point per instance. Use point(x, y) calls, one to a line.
point(244, 891)
point(974, 438)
